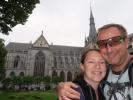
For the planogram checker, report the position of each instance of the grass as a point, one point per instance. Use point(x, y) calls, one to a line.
point(49, 95)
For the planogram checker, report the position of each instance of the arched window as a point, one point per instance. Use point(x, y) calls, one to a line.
point(22, 64)
point(54, 73)
point(62, 76)
point(69, 76)
point(78, 60)
point(12, 74)
point(66, 61)
point(72, 60)
point(39, 65)
point(21, 74)
point(16, 61)
point(60, 61)
point(55, 62)
point(75, 75)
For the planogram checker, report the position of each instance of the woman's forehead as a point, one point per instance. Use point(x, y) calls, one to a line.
point(96, 53)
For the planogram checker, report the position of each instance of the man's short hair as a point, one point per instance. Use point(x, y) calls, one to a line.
point(121, 28)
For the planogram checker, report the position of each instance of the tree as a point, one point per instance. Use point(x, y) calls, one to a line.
point(2, 58)
point(28, 80)
point(56, 79)
point(6, 82)
point(47, 79)
point(13, 12)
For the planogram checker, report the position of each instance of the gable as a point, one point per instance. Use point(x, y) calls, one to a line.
point(41, 42)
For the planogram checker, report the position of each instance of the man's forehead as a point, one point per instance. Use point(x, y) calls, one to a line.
point(107, 35)
point(109, 30)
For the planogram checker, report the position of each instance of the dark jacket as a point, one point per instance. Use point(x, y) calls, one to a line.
point(86, 91)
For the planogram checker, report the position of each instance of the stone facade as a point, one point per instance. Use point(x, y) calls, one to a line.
point(42, 59)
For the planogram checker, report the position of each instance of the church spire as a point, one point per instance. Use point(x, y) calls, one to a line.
point(91, 39)
point(42, 33)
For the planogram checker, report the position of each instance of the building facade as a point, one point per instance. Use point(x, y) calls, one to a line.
point(42, 59)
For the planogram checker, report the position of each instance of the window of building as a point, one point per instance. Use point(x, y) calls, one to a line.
point(16, 61)
point(39, 65)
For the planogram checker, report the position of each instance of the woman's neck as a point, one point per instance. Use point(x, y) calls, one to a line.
point(93, 84)
point(95, 87)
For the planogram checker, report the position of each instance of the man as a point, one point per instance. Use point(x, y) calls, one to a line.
point(113, 44)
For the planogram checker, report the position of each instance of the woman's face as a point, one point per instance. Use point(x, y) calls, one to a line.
point(94, 67)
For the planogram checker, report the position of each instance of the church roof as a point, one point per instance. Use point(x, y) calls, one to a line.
point(16, 45)
point(61, 47)
point(63, 50)
point(26, 46)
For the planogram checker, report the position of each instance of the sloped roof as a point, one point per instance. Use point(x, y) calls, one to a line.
point(18, 46)
point(57, 48)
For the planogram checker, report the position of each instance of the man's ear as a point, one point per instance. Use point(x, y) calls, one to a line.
point(82, 67)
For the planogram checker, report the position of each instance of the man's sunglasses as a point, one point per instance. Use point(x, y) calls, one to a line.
point(114, 41)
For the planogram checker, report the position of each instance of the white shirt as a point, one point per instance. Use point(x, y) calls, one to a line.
point(124, 92)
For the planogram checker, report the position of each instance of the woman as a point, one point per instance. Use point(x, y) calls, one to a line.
point(93, 70)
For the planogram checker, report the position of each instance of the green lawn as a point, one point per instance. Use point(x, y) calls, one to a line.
point(28, 95)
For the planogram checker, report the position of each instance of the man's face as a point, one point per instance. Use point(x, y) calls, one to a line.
point(113, 47)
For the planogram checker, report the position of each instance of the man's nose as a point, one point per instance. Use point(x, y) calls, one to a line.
point(109, 47)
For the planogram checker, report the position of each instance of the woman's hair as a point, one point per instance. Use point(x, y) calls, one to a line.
point(85, 51)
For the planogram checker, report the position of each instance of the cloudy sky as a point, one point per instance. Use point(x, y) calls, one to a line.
point(66, 22)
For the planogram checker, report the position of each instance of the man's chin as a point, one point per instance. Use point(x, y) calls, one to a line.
point(111, 61)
